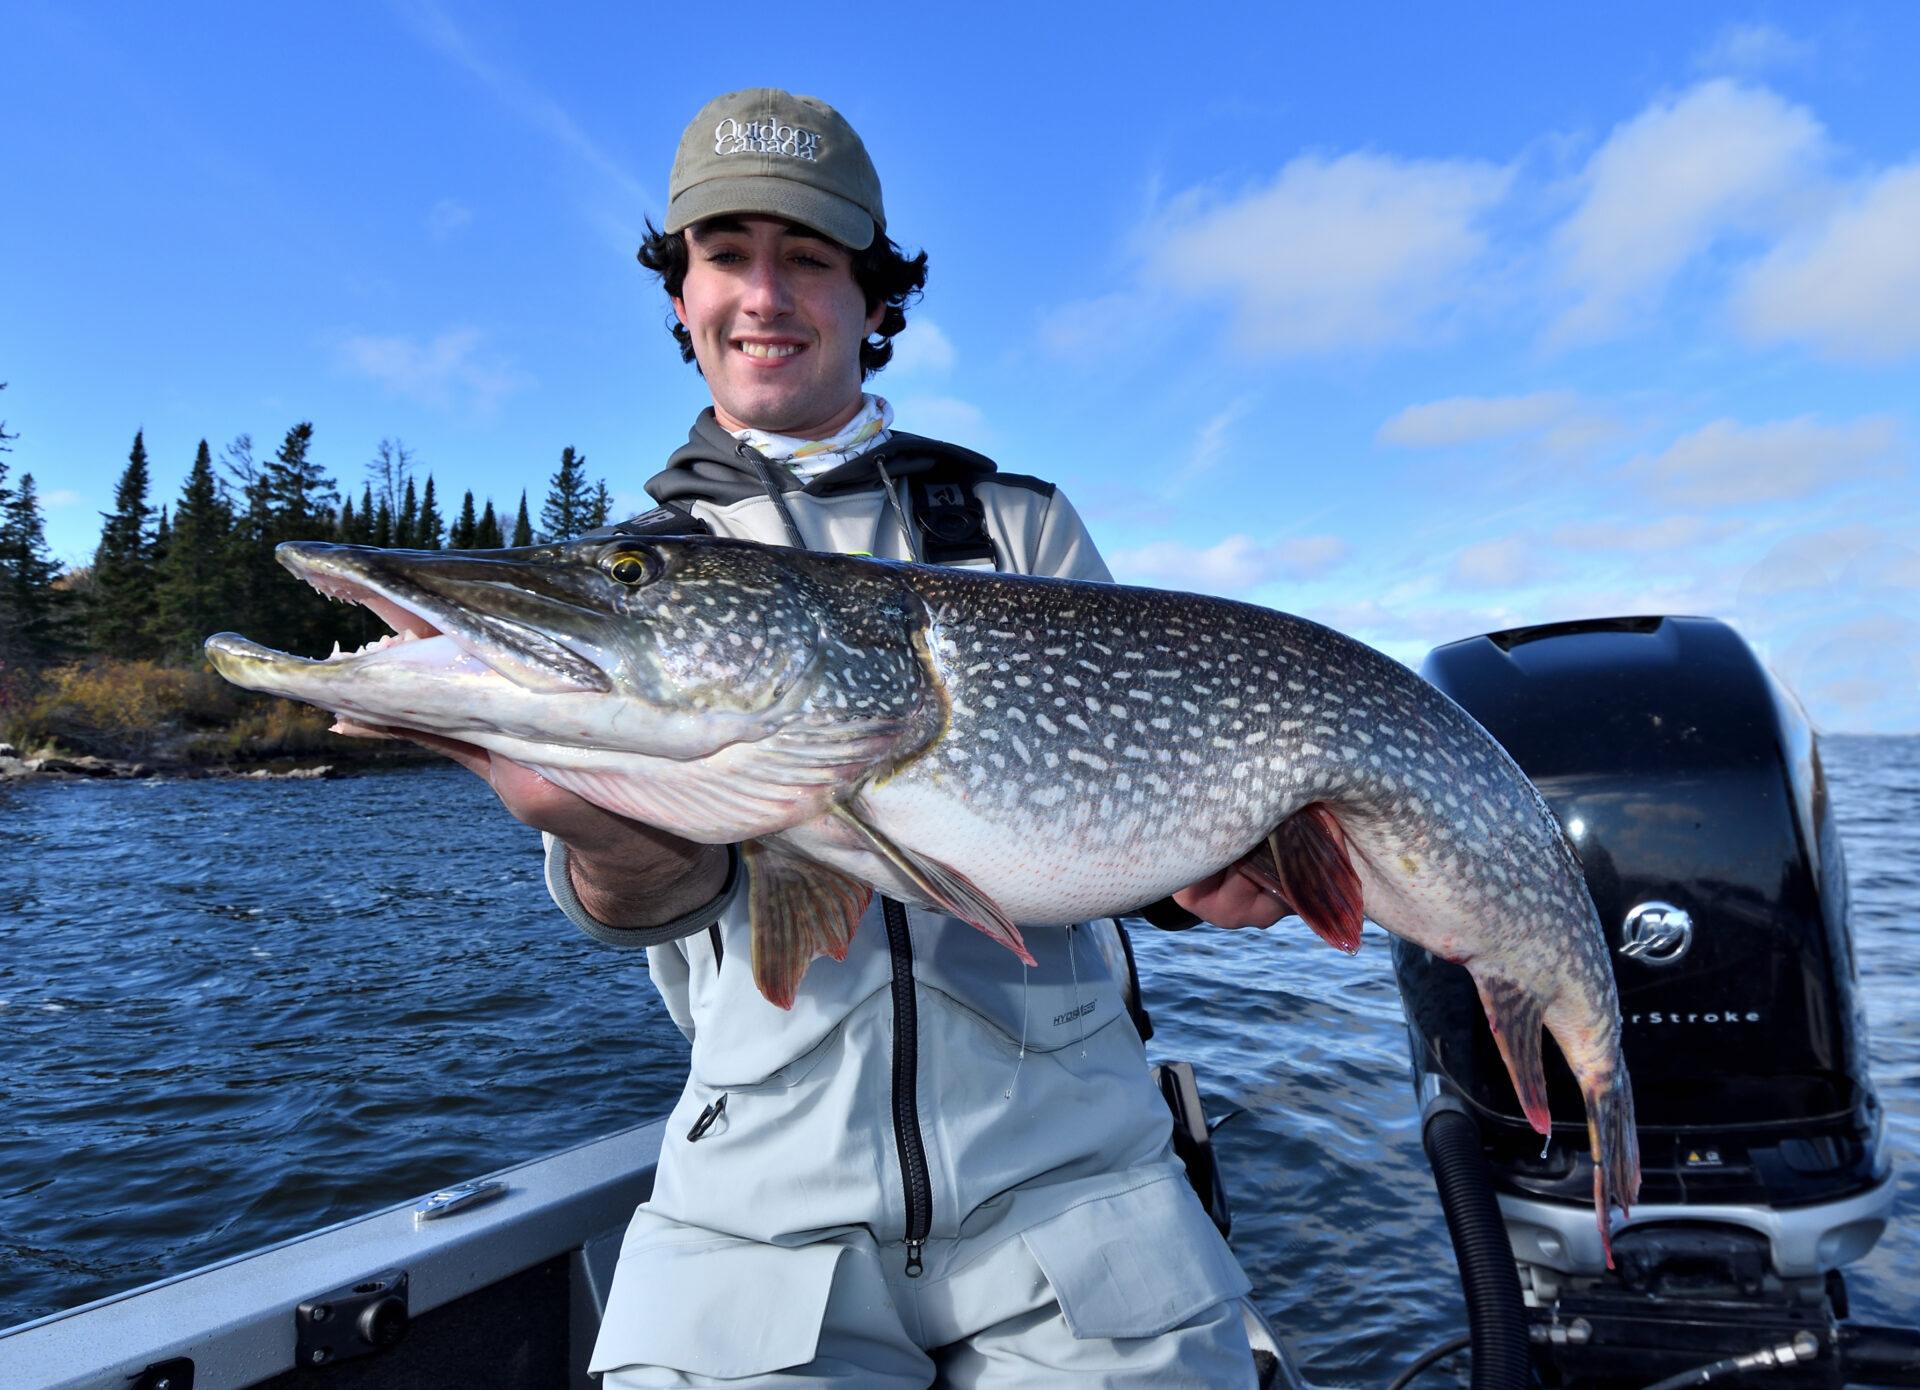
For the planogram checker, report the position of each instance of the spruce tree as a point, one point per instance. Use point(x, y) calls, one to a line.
point(569, 499)
point(348, 525)
point(522, 528)
point(366, 516)
point(196, 574)
point(121, 615)
point(429, 528)
point(486, 535)
point(31, 609)
point(460, 536)
point(383, 526)
point(406, 533)
point(598, 507)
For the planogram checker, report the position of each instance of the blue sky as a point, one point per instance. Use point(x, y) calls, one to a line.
point(1419, 320)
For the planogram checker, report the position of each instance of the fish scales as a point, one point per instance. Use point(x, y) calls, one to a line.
point(1004, 748)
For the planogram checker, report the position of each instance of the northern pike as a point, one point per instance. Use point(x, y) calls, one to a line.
point(1006, 749)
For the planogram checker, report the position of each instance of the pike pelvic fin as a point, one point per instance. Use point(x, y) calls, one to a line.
point(1516, 1016)
point(946, 887)
point(799, 910)
point(1315, 874)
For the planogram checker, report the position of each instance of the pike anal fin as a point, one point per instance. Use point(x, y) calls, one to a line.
point(1616, 1150)
point(799, 910)
point(941, 884)
point(1315, 874)
point(1516, 1016)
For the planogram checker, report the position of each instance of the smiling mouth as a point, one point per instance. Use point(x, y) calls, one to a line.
point(767, 350)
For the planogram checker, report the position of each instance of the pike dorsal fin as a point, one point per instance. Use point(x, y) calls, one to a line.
point(799, 910)
point(941, 884)
point(1316, 874)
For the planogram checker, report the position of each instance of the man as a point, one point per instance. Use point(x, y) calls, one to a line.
point(939, 1163)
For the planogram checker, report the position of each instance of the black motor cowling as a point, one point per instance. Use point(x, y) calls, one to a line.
point(1690, 783)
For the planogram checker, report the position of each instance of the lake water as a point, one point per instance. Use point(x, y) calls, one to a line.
point(231, 1012)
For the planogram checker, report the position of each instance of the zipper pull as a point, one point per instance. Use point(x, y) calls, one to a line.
point(913, 1258)
point(707, 1117)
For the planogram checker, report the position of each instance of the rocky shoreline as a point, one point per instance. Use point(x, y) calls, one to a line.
point(55, 768)
point(88, 767)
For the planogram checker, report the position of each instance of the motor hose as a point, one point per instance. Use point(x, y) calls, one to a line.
point(1496, 1317)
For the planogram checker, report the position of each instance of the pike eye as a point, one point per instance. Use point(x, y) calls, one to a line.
point(630, 567)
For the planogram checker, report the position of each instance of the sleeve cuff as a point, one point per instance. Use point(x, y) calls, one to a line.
point(560, 886)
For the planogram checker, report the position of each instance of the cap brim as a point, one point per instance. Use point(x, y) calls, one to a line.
point(827, 213)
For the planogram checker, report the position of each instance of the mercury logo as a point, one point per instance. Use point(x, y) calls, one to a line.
point(765, 137)
point(1657, 933)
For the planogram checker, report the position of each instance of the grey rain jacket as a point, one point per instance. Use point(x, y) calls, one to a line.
point(928, 1088)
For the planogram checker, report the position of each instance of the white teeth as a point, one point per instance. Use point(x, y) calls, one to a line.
point(335, 653)
point(769, 349)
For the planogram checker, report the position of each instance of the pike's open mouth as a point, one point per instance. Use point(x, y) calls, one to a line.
point(434, 635)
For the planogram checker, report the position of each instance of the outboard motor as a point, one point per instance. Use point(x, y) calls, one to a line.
point(1690, 783)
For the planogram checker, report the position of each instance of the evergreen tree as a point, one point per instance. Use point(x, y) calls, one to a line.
point(302, 495)
point(598, 506)
point(249, 559)
point(460, 536)
point(522, 528)
point(486, 535)
point(569, 499)
point(301, 505)
point(121, 615)
point(367, 526)
point(196, 588)
point(348, 525)
point(406, 532)
point(30, 607)
point(383, 526)
point(428, 530)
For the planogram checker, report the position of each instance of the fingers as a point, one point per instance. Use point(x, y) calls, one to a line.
point(1230, 898)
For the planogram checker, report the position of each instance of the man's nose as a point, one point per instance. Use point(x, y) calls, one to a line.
point(767, 294)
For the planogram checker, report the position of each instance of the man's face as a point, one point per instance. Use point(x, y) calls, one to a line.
point(777, 322)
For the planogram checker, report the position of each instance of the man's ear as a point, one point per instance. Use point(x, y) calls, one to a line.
point(680, 310)
point(873, 319)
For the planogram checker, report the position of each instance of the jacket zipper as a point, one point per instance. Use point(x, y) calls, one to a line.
point(906, 1113)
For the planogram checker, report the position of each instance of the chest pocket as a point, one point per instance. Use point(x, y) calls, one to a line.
point(952, 524)
point(1068, 995)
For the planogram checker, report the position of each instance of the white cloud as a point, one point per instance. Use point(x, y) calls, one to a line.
point(1500, 564)
point(1235, 565)
point(447, 217)
point(62, 497)
point(1357, 252)
point(1668, 534)
point(1668, 184)
point(1850, 286)
point(1836, 614)
point(447, 373)
point(1726, 463)
point(943, 417)
point(921, 350)
point(1752, 48)
point(1470, 419)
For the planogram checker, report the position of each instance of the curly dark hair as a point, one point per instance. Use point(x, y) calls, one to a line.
point(882, 271)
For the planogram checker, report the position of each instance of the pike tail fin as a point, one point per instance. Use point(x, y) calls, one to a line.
point(1616, 1150)
point(1314, 872)
point(799, 910)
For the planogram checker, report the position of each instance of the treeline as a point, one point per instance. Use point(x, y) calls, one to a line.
point(164, 577)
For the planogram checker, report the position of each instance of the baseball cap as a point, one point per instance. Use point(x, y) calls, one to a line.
point(768, 151)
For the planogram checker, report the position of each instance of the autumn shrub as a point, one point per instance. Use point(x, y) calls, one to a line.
point(114, 707)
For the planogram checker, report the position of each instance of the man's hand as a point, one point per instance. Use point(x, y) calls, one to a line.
point(1231, 899)
point(625, 874)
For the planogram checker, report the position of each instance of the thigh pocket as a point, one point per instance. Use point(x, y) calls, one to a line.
point(713, 1305)
point(1136, 1263)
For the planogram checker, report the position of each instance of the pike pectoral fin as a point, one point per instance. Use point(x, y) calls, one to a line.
point(1516, 1017)
point(1315, 874)
point(799, 910)
point(941, 884)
